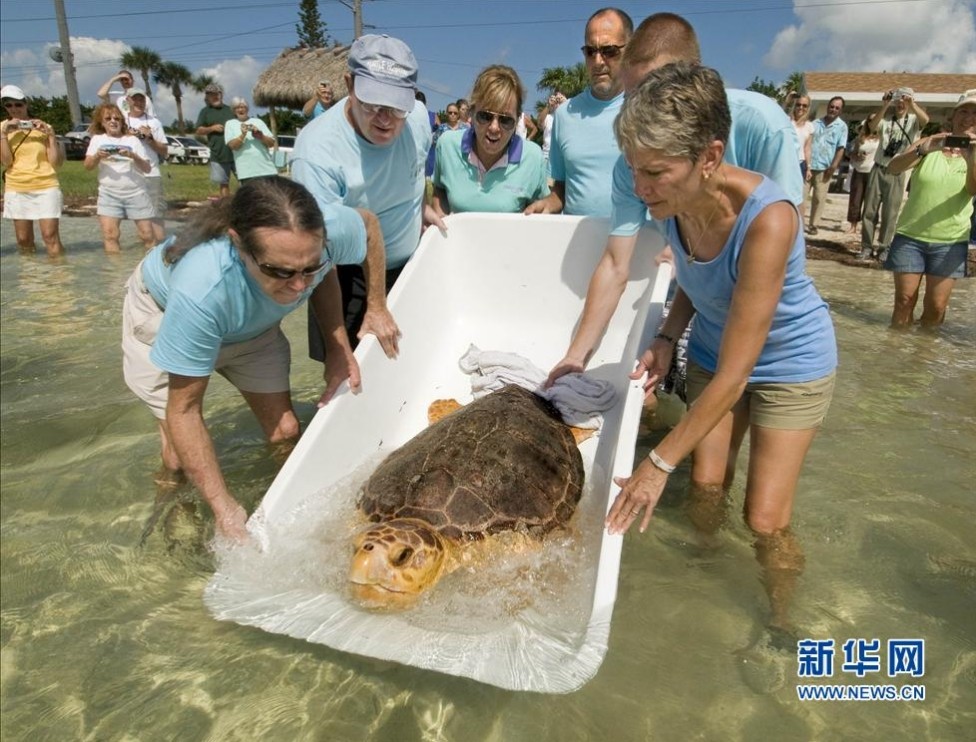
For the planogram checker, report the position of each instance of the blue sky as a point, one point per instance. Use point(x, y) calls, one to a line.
point(454, 39)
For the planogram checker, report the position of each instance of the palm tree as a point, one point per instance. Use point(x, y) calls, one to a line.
point(570, 81)
point(174, 75)
point(794, 82)
point(201, 81)
point(142, 59)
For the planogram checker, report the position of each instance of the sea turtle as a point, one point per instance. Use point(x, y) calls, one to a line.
point(505, 462)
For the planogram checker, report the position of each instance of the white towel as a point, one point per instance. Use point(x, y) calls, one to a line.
point(579, 399)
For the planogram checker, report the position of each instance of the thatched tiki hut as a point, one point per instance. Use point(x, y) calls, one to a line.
point(292, 78)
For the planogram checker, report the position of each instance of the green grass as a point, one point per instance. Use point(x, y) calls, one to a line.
point(180, 182)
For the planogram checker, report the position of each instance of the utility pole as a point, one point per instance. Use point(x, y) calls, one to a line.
point(357, 18)
point(67, 59)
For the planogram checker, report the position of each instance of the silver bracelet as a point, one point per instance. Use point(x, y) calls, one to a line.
point(659, 462)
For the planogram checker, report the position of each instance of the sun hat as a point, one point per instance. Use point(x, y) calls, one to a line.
point(385, 71)
point(904, 92)
point(135, 91)
point(213, 88)
point(969, 97)
point(12, 91)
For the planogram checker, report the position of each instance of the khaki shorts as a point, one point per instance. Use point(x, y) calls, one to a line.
point(260, 365)
point(781, 406)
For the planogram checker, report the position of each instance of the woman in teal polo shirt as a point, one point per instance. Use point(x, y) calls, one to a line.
point(488, 167)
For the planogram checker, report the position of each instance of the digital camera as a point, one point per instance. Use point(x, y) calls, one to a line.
point(25, 125)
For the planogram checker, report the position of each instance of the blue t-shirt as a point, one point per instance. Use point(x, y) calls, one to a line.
point(507, 189)
point(340, 167)
point(210, 300)
point(825, 141)
point(583, 151)
point(800, 345)
point(761, 139)
point(252, 159)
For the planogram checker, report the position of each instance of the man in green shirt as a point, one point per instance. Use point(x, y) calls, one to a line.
point(210, 123)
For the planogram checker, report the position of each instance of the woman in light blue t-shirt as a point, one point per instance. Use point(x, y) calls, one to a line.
point(488, 167)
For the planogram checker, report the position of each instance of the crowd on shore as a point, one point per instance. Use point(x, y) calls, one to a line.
point(655, 137)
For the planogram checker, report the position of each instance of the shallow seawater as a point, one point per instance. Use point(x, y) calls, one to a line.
point(104, 639)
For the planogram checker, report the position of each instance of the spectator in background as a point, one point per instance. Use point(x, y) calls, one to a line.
point(210, 124)
point(885, 190)
point(434, 124)
point(149, 129)
point(545, 121)
point(250, 139)
point(464, 110)
point(931, 238)
point(828, 142)
point(123, 164)
point(862, 161)
point(798, 109)
point(320, 102)
point(488, 167)
point(526, 127)
point(30, 154)
point(583, 151)
point(125, 79)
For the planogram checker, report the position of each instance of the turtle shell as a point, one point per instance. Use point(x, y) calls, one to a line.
point(503, 462)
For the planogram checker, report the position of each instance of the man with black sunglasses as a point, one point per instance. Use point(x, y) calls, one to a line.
point(583, 148)
point(368, 152)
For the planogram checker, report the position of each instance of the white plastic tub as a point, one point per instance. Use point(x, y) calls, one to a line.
point(501, 282)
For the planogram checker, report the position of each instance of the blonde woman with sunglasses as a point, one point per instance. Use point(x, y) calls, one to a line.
point(212, 300)
point(488, 167)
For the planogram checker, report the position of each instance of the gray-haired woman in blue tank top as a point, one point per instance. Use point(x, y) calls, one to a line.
point(762, 352)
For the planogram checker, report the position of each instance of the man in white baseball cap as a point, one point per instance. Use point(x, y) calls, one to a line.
point(368, 152)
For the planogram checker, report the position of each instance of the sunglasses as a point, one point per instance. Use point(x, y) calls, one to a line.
point(372, 109)
point(14, 104)
point(801, 105)
point(452, 113)
point(285, 274)
point(504, 120)
point(112, 118)
point(608, 51)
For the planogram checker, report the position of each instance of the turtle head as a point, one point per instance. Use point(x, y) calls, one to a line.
point(395, 562)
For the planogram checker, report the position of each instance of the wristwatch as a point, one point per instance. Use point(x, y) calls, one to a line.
point(918, 152)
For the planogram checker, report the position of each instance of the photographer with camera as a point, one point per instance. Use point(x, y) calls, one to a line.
point(30, 154)
point(897, 131)
point(149, 130)
point(249, 139)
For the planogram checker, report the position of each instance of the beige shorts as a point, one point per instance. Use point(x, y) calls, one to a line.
point(781, 406)
point(259, 365)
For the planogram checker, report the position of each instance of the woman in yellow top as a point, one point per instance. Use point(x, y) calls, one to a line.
point(29, 152)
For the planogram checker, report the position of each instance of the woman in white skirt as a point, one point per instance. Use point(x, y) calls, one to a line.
point(30, 154)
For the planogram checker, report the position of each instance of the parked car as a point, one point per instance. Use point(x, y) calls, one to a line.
point(74, 149)
point(186, 149)
point(79, 133)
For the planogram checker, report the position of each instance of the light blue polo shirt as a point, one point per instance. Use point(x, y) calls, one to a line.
point(583, 152)
point(209, 299)
point(761, 139)
point(340, 167)
point(252, 159)
point(505, 188)
point(825, 141)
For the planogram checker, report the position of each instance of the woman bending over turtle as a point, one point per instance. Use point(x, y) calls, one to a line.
point(761, 353)
point(212, 299)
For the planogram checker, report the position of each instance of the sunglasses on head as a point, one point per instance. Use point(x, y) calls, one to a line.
point(372, 109)
point(504, 120)
point(607, 51)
